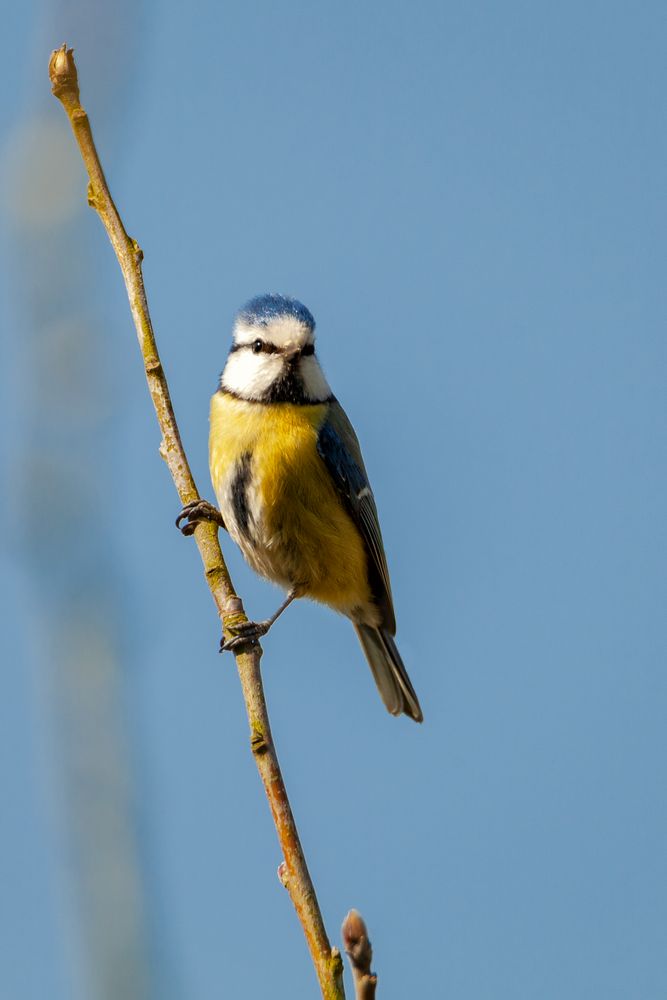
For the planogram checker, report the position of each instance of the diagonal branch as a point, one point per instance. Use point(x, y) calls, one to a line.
point(327, 961)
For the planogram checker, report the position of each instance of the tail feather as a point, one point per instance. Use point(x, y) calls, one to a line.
point(390, 675)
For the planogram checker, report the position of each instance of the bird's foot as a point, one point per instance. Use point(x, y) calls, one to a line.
point(194, 513)
point(247, 633)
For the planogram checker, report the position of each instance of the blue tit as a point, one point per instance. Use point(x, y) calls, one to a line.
point(287, 470)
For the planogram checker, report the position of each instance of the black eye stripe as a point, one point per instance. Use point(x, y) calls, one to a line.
point(267, 348)
point(261, 347)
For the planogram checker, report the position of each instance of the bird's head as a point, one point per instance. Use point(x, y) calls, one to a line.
point(272, 358)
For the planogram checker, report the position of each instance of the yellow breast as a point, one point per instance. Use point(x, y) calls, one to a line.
point(299, 533)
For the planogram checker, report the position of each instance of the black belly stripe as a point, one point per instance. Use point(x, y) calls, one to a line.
point(239, 492)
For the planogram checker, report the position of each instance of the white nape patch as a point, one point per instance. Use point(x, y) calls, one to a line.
point(282, 332)
point(251, 375)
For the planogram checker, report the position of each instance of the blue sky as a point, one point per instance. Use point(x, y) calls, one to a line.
point(470, 199)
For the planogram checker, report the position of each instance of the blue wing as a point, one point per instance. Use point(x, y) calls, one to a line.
point(339, 448)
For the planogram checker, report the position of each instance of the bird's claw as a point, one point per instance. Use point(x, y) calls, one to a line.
point(247, 633)
point(194, 513)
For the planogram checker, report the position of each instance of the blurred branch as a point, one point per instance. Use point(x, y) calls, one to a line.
point(360, 953)
point(327, 961)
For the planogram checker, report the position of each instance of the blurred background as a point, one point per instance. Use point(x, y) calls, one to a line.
point(470, 198)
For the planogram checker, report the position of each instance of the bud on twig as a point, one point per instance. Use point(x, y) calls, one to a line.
point(64, 78)
point(360, 953)
point(283, 874)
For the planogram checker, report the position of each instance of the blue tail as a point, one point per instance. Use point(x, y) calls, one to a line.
point(390, 675)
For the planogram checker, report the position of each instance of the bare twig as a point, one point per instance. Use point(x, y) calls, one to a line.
point(360, 953)
point(327, 961)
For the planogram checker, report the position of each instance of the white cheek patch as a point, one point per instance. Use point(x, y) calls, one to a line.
point(251, 375)
point(315, 385)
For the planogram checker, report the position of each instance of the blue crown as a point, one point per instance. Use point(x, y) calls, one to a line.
point(264, 308)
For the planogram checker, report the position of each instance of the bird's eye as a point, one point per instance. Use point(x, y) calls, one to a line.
point(257, 346)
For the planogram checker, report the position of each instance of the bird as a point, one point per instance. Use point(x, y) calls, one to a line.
point(292, 487)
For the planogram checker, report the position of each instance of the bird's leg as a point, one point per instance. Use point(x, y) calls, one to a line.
point(252, 631)
point(195, 512)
